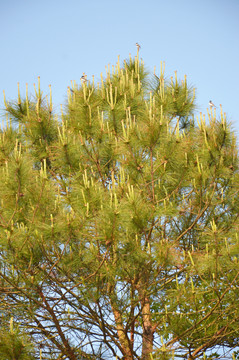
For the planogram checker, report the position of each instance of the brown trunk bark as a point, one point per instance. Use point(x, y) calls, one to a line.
point(123, 339)
point(148, 330)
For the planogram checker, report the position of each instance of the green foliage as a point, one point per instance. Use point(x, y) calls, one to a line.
point(15, 346)
point(118, 223)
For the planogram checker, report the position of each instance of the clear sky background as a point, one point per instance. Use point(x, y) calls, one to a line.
point(59, 40)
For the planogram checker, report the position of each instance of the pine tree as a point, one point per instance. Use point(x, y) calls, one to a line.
point(119, 221)
point(14, 346)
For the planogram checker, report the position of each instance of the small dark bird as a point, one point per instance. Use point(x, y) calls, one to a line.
point(84, 78)
point(138, 46)
point(211, 104)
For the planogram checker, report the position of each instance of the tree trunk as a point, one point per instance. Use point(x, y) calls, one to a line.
point(148, 330)
point(123, 339)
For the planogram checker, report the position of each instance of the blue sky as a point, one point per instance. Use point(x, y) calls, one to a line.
point(59, 40)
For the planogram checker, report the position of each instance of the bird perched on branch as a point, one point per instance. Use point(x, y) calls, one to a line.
point(138, 46)
point(84, 78)
point(211, 104)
